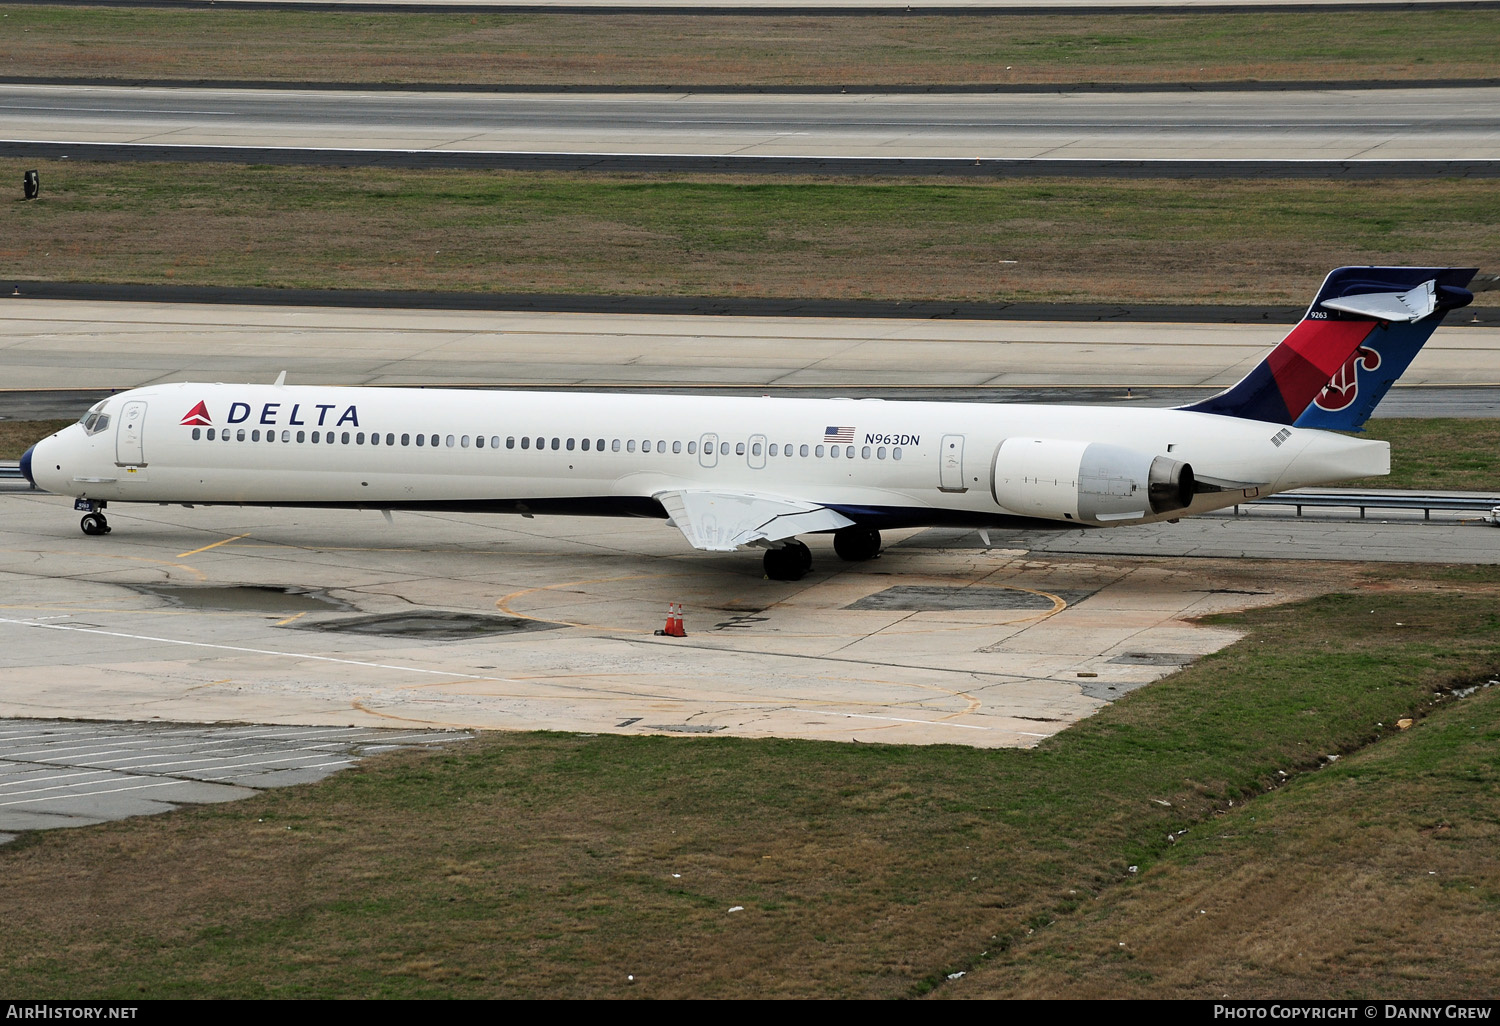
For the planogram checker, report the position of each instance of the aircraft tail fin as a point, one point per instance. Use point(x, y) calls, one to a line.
point(1363, 319)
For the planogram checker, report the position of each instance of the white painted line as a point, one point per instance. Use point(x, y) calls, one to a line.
point(928, 723)
point(256, 651)
point(95, 794)
point(309, 766)
point(436, 150)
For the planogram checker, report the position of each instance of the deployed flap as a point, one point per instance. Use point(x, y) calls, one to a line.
point(1390, 306)
point(725, 521)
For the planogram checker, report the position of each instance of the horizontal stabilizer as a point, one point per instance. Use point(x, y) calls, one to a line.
point(725, 521)
point(1390, 306)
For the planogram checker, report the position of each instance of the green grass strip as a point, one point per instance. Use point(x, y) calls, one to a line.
point(1150, 241)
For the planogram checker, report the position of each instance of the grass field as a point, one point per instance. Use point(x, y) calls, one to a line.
point(1156, 241)
point(560, 865)
point(656, 50)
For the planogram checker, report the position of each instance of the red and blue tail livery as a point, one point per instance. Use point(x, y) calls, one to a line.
point(1360, 333)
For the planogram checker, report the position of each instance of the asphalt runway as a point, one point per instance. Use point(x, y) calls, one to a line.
point(68, 774)
point(1385, 127)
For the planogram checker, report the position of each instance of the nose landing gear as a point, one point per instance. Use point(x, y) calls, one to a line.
point(94, 523)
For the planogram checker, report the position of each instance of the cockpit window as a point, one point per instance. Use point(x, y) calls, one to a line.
point(95, 420)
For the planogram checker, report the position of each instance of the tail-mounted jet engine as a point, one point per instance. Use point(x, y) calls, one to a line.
point(1087, 482)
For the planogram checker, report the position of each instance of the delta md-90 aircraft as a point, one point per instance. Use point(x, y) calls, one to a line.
point(756, 472)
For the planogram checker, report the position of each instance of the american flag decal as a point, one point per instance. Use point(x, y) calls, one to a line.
point(840, 435)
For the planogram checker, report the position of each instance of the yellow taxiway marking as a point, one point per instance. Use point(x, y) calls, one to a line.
point(96, 554)
point(226, 541)
point(294, 616)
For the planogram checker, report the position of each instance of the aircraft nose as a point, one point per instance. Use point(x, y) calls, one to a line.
point(26, 465)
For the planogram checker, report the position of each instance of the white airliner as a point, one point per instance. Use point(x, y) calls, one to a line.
point(733, 473)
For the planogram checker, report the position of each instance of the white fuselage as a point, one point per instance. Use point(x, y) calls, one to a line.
point(877, 462)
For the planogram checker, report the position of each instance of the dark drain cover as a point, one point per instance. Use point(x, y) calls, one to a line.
point(928, 598)
point(1153, 659)
point(249, 598)
point(428, 625)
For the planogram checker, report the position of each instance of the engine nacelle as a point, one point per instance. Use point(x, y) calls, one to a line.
point(1087, 482)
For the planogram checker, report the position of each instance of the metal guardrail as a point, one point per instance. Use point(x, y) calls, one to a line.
point(1424, 501)
point(10, 472)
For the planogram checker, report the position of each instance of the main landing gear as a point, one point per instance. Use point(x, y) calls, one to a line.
point(94, 523)
point(793, 560)
point(857, 544)
point(788, 563)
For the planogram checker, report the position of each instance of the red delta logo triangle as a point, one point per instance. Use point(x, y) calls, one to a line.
point(198, 415)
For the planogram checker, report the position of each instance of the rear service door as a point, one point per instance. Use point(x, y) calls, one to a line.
point(951, 467)
point(129, 450)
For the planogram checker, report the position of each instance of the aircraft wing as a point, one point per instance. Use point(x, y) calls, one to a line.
point(725, 521)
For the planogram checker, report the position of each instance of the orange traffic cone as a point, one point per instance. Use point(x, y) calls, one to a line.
point(673, 629)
